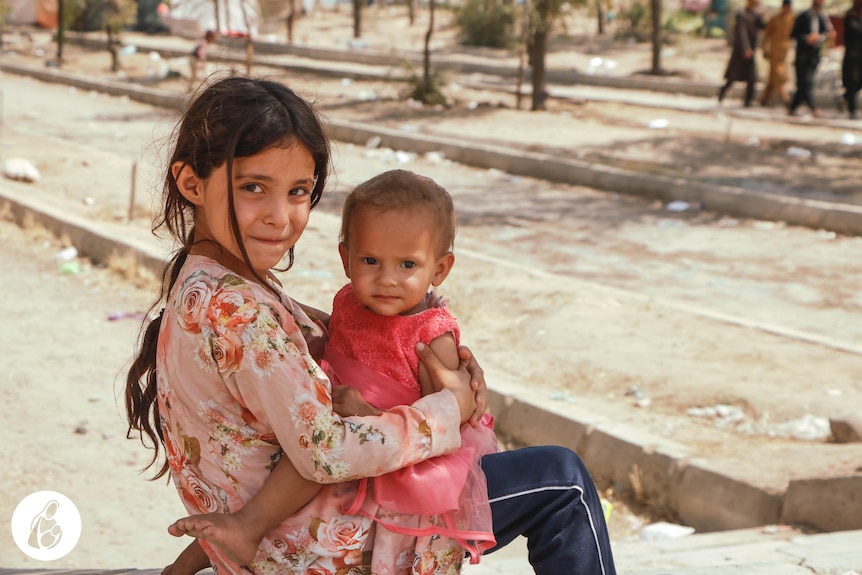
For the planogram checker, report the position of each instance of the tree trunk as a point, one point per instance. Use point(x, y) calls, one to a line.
point(114, 49)
point(656, 37)
point(217, 17)
point(60, 38)
point(411, 11)
point(357, 18)
point(600, 13)
point(291, 20)
point(538, 50)
point(523, 52)
point(426, 56)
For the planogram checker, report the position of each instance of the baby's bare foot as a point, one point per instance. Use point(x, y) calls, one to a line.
point(223, 530)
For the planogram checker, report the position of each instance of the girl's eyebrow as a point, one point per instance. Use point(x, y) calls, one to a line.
point(268, 178)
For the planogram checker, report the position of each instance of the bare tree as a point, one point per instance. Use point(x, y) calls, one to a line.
point(538, 49)
point(411, 11)
point(118, 14)
point(357, 18)
point(600, 14)
point(291, 20)
point(656, 8)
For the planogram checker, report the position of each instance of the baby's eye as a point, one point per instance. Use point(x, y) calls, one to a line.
point(369, 261)
point(408, 264)
point(254, 188)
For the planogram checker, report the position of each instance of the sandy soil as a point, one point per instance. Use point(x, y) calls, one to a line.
point(617, 307)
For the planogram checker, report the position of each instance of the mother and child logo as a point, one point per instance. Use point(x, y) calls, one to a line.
point(46, 525)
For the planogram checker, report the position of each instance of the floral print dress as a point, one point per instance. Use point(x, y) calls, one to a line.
point(238, 388)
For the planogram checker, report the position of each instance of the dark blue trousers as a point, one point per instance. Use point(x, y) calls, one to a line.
point(547, 495)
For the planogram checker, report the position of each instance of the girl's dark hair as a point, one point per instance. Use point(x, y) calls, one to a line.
point(233, 118)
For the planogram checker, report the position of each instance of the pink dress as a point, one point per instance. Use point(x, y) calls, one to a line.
point(451, 489)
point(237, 389)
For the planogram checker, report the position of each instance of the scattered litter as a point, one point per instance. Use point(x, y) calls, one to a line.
point(826, 235)
point(797, 152)
point(636, 392)
point(753, 142)
point(21, 169)
point(404, 157)
point(412, 128)
point(602, 65)
point(663, 530)
point(808, 427)
point(472, 105)
point(766, 225)
point(346, 81)
point(89, 201)
point(557, 396)
point(728, 223)
point(658, 124)
point(357, 44)
point(67, 254)
point(373, 142)
point(681, 206)
point(117, 315)
point(81, 429)
point(435, 157)
point(848, 139)
point(665, 223)
point(607, 508)
point(833, 392)
point(70, 268)
point(128, 50)
point(368, 96)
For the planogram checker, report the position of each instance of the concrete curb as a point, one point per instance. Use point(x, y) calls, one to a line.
point(816, 214)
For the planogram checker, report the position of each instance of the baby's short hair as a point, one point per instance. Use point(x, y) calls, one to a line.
point(404, 190)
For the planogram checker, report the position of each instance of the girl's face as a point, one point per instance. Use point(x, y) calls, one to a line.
point(391, 259)
point(272, 198)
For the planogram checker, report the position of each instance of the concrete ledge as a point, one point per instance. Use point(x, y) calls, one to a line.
point(831, 504)
point(710, 501)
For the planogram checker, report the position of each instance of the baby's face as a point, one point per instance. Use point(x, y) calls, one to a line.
point(391, 259)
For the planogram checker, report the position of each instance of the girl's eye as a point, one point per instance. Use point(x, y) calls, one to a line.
point(254, 188)
point(369, 261)
point(409, 265)
point(300, 192)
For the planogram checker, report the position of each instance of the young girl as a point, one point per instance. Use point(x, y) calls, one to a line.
point(396, 241)
point(225, 380)
point(397, 234)
point(227, 383)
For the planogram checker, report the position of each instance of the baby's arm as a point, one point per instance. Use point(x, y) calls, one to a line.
point(239, 534)
point(445, 349)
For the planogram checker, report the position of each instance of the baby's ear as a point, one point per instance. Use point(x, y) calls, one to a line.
point(190, 186)
point(442, 268)
point(345, 260)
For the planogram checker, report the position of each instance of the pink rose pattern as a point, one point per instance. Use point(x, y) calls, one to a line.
point(236, 332)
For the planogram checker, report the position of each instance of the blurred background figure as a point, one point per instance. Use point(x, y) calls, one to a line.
point(741, 67)
point(198, 57)
point(776, 45)
point(851, 66)
point(811, 30)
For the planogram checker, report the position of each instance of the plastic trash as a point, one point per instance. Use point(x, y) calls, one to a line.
point(848, 139)
point(70, 268)
point(663, 530)
point(658, 124)
point(753, 142)
point(346, 81)
point(67, 254)
point(373, 142)
point(797, 152)
point(128, 50)
point(677, 206)
point(21, 169)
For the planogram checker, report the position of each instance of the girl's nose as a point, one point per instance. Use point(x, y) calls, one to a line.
point(277, 212)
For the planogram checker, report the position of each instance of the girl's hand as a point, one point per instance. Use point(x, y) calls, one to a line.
point(458, 381)
point(348, 402)
point(477, 383)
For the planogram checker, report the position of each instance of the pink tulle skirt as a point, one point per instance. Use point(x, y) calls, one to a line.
point(451, 487)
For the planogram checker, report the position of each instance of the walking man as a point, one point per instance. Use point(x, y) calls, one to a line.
point(810, 30)
point(851, 66)
point(741, 67)
point(776, 45)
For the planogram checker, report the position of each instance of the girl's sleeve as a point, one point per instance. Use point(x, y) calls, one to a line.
point(270, 372)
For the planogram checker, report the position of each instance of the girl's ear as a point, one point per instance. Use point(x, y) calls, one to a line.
point(190, 186)
point(342, 251)
point(442, 268)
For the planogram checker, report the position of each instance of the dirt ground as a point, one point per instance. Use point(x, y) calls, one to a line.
point(736, 338)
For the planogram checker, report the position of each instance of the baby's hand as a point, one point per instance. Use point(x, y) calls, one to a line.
point(348, 402)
